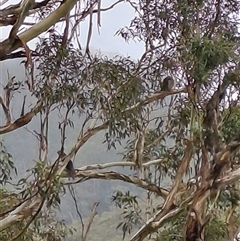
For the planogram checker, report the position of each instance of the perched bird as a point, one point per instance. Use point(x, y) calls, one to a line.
point(69, 168)
point(168, 84)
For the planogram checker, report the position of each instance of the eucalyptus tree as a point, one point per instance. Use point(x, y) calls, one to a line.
point(196, 43)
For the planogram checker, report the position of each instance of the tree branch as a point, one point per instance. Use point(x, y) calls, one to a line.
point(19, 213)
point(92, 215)
point(157, 96)
point(153, 225)
point(116, 164)
point(37, 29)
point(25, 119)
point(231, 178)
point(45, 24)
point(6, 111)
point(168, 205)
point(86, 175)
point(17, 8)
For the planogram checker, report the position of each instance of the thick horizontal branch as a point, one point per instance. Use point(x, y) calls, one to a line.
point(157, 96)
point(116, 164)
point(117, 176)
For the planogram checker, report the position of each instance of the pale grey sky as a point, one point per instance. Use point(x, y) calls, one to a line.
point(111, 21)
point(118, 17)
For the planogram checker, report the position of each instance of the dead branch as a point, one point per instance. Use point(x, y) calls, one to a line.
point(93, 214)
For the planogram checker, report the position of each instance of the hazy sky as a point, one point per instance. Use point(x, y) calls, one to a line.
point(111, 21)
point(118, 17)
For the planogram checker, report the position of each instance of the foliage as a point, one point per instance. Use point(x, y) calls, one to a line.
point(231, 124)
point(131, 211)
point(186, 136)
point(6, 165)
point(45, 227)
